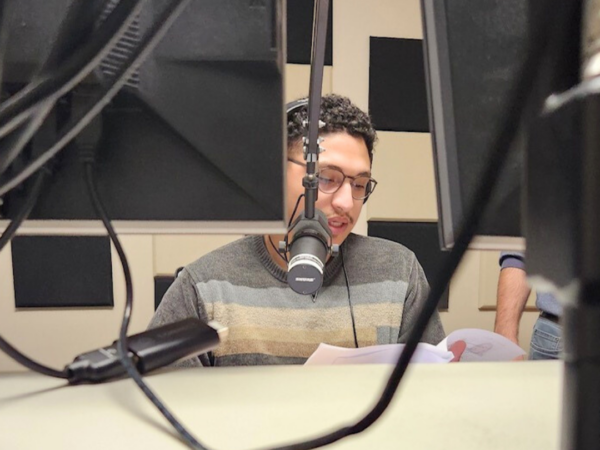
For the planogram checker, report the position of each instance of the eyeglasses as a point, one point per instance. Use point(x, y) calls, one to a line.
point(331, 180)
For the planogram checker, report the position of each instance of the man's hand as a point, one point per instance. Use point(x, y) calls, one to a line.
point(457, 348)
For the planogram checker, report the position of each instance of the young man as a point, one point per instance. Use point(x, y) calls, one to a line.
point(371, 292)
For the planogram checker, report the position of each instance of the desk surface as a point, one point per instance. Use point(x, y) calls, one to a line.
point(455, 406)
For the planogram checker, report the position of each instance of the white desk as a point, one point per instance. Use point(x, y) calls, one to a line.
point(456, 406)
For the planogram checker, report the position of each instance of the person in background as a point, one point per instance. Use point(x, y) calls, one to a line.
point(513, 291)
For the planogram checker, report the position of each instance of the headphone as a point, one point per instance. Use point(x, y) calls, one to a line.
point(293, 107)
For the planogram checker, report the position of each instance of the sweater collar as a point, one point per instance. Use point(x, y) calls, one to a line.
point(331, 268)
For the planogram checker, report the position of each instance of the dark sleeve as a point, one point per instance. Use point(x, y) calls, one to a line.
point(181, 302)
point(512, 259)
point(416, 295)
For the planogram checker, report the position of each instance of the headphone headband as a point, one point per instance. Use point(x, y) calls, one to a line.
point(293, 106)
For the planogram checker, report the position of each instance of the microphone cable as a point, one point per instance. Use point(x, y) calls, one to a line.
point(60, 56)
point(69, 131)
point(349, 300)
point(286, 239)
point(122, 343)
point(169, 15)
point(7, 235)
point(70, 31)
point(57, 82)
point(128, 8)
point(284, 255)
point(160, 27)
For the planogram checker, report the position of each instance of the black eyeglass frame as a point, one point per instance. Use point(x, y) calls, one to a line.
point(373, 181)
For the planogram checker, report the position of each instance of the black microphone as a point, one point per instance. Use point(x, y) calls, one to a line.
point(309, 248)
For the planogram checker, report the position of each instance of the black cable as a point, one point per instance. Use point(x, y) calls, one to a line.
point(349, 299)
point(284, 258)
point(122, 345)
point(69, 131)
point(30, 363)
point(67, 75)
point(287, 235)
point(12, 146)
point(160, 27)
point(7, 235)
point(284, 255)
point(499, 152)
point(25, 210)
point(295, 210)
point(3, 36)
point(73, 29)
point(166, 19)
point(70, 30)
point(170, 13)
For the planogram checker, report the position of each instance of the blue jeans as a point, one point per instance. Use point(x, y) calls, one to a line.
point(546, 340)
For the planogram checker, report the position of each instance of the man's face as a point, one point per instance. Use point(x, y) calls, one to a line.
point(346, 153)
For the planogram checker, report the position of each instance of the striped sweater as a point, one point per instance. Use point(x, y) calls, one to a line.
point(241, 287)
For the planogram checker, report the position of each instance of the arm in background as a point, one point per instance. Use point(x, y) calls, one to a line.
point(512, 295)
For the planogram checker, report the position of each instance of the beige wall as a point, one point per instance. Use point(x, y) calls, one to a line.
point(403, 165)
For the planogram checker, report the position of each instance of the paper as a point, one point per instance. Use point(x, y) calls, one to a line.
point(482, 345)
point(376, 354)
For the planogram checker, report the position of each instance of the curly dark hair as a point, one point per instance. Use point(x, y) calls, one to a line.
point(339, 114)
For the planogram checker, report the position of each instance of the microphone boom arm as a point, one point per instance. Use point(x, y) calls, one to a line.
point(311, 140)
point(312, 241)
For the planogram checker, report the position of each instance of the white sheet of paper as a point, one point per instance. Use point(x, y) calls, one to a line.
point(376, 354)
point(483, 345)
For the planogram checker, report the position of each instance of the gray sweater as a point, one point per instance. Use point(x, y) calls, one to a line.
point(241, 287)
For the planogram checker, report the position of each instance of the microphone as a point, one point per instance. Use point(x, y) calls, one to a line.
point(312, 238)
point(308, 249)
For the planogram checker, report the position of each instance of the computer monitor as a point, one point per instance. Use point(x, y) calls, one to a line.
point(195, 141)
point(473, 49)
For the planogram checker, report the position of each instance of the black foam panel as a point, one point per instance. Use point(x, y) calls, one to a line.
point(420, 237)
point(62, 271)
point(397, 88)
point(299, 32)
point(162, 283)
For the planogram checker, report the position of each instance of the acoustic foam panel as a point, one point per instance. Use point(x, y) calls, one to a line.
point(299, 32)
point(162, 283)
point(397, 89)
point(62, 271)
